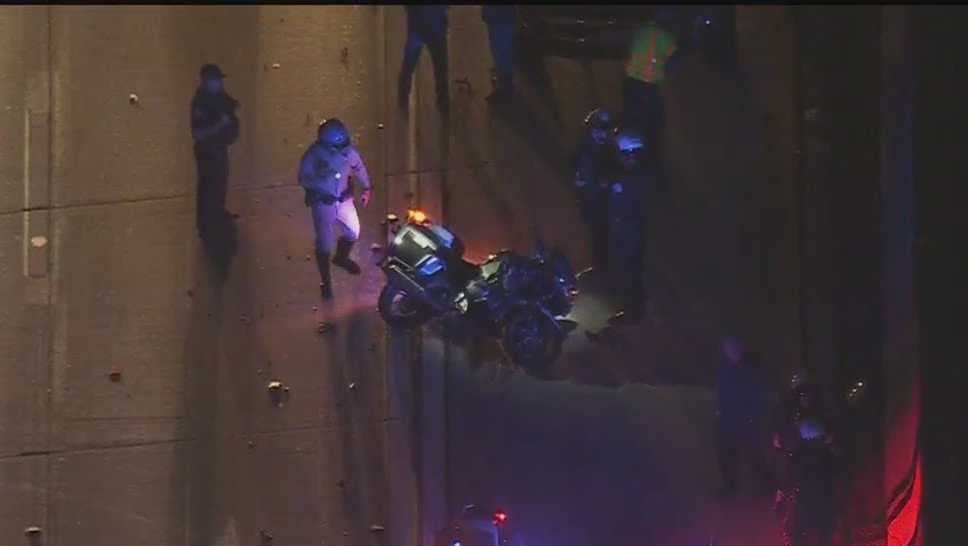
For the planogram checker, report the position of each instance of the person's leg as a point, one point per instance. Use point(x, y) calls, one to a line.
point(349, 222)
point(501, 38)
point(202, 193)
point(220, 188)
point(438, 56)
point(323, 218)
point(726, 456)
point(411, 54)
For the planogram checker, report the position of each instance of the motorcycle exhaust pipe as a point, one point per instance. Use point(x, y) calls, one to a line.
point(401, 280)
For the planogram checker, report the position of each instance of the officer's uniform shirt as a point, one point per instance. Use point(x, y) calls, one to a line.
point(628, 195)
point(594, 163)
point(327, 172)
point(206, 110)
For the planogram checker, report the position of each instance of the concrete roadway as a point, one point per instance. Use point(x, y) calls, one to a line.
point(134, 390)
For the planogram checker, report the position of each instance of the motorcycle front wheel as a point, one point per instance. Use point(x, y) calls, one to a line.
point(531, 339)
point(400, 310)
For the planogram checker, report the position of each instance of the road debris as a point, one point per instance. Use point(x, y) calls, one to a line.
point(114, 376)
point(325, 327)
point(133, 99)
point(265, 536)
point(276, 65)
point(341, 484)
point(190, 293)
point(32, 530)
point(38, 242)
point(377, 528)
point(278, 392)
point(352, 386)
point(379, 125)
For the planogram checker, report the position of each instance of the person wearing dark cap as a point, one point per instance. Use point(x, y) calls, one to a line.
point(426, 25)
point(214, 128)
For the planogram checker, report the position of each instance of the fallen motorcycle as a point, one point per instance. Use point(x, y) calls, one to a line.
point(517, 299)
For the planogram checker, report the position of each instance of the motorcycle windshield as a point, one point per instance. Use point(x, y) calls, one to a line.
point(411, 247)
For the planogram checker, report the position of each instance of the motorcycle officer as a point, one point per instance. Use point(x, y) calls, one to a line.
point(805, 437)
point(324, 174)
point(594, 168)
point(627, 226)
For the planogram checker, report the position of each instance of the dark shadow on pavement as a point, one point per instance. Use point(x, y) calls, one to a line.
point(220, 245)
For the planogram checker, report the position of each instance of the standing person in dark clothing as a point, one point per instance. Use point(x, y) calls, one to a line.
point(651, 58)
point(501, 24)
point(741, 401)
point(594, 171)
point(805, 437)
point(214, 128)
point(426, 25)
point(627, 206)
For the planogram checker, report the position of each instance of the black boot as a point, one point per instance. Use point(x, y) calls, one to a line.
point(342, 257)
point(325, 282)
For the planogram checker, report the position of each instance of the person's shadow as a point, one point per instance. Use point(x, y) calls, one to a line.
point(220, 243)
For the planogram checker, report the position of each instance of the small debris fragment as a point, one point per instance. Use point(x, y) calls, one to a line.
point(376, 528)
point(244, 319)
point(376, 247)
point(32, 530)
point(276, 65)
point(191, 293)
point(344, 54)
point(314, 309)
point(114, 376)
point(352, 386)
point(326, 327)
point(307, 257)
point(266, 536)
point(341, 484)
point(38, 242)
point(133, 99)
point(250, 444)
point(379, 125)
point(278, 392)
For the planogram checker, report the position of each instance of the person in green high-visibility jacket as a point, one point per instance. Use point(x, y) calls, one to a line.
point(653, 47)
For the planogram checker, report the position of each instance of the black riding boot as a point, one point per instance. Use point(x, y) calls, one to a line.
point(342, 257)
point(325, 282)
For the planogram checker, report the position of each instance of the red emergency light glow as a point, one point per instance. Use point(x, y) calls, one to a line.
point(500, 517)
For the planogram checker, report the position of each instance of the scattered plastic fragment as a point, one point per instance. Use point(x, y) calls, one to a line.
point(278, 392)
point(38, 242)
point(377, 528)
point(114, 376)
point(379, 125)
point(352, 386)
point(133, 99)
point(276, 65)
point(250, 444)
point(32, 530)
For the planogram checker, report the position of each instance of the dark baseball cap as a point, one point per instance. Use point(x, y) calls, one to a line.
point(211, 70)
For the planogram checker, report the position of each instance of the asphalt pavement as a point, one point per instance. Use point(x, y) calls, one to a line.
point(136, 385)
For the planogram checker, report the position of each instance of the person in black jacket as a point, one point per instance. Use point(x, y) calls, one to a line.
point(214, 128)
point(627, 204)
point(594, 171)
point(741, 402)
point(501, 24)
point(426, 25)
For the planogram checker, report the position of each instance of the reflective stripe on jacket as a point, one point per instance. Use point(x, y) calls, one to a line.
point(651, 48)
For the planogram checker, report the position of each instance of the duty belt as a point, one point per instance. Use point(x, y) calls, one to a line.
point(328, 199)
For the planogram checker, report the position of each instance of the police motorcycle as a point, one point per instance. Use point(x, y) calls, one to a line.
point(477, 526)
point(519, 300)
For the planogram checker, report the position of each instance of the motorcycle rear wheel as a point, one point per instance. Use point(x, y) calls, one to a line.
point(399, 310)
point(531, 339)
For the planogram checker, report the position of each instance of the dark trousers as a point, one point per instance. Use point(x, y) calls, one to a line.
point(627, 264)
point(500, 36)
point(213, 184)
point(734, 444)
point(436, 43)
point(644, 110)
point(812, 519)
point(593, 200)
